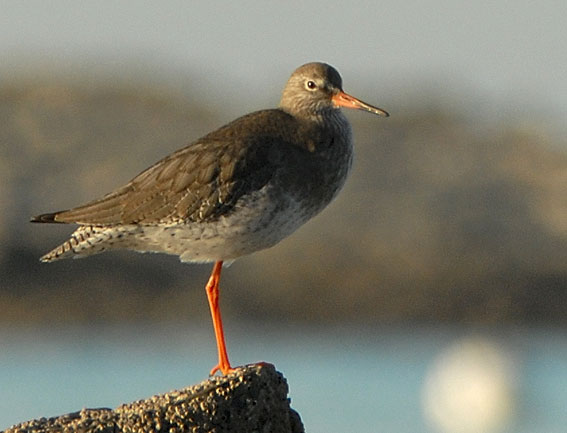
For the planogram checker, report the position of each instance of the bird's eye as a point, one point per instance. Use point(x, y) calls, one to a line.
point(311, 85)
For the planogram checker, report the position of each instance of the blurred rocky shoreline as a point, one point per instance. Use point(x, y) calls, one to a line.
point(442, 220)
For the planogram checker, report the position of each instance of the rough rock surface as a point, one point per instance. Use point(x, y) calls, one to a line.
point(251, 399)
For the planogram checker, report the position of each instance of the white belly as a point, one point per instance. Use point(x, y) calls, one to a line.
point(251, 228)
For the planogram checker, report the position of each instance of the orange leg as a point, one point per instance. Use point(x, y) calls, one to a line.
point(212, 289)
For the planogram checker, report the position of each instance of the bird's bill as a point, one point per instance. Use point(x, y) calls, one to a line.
point(342, 99)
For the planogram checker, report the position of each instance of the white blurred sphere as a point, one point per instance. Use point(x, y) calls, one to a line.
point(470, 388)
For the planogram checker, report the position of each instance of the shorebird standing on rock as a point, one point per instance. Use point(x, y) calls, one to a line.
point(237, 190)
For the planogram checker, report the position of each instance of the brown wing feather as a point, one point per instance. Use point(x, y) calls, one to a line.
point(177, 187)
point(196, 183)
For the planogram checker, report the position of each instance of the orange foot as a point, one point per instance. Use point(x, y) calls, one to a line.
point(224, 369)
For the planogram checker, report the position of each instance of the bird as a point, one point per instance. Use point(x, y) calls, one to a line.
point(237, 190)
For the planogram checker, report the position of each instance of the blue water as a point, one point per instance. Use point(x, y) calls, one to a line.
point(341, 380)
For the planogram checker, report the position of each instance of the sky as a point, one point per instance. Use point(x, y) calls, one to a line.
point(486, 58)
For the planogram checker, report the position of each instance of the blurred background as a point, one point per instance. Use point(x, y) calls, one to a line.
point(430, 296)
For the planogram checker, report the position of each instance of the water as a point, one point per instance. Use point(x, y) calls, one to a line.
point(340, 380)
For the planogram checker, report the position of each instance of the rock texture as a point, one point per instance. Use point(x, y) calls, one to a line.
point(252, 399)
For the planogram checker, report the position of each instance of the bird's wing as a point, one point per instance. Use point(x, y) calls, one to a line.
point(196, 183)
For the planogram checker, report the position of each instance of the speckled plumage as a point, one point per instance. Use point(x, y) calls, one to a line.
point(239, 189)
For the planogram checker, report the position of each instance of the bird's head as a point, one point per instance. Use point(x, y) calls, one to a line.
point(316, 88)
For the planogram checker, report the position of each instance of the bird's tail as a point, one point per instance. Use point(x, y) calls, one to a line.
point(84, 241)
point(45, 218)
